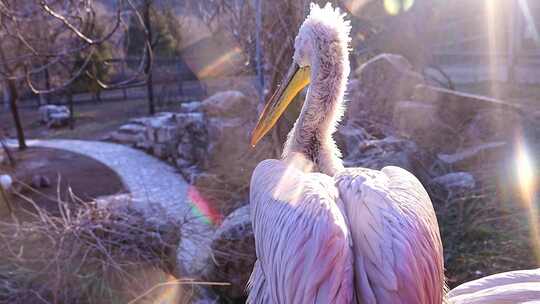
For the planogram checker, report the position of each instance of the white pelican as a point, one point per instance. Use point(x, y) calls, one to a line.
point(325, 233)
point(386, 249)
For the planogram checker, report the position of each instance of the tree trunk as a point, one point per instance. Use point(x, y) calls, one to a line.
point(69, 94)
point(12, 91)
point(258, 52)
point(5, 95)
point(47, 86)
point(148, 69)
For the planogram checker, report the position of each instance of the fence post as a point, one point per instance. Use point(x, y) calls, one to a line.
point(511, 40)
point(258, 51)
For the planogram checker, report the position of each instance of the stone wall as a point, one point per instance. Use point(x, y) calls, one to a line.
point(208, 142)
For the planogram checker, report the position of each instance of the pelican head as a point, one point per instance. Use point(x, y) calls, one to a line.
point(321, 59)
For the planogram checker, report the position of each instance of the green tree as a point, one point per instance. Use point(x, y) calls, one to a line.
point(166, 40)
point(161, 28)
point(97, 66)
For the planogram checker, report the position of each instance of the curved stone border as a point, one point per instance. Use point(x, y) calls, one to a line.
point(150, 182)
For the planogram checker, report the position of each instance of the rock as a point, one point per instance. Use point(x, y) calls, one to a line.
point(174, 136)
point(382, 81)
point(114, 201)
point(212, 136)
point(349, 138)
point(54, 116)
point(232, 254)
point(6, 182)
point(40, 181)
point(58, 120)
point(378, 153)
point(420, 122)
point(162, 150)
point(131, 134)
point(456, 182)
point(491, 125)
point(470, 157)
point(229, 104)
point(192, 138)
point(189, 107)
point(456, 109)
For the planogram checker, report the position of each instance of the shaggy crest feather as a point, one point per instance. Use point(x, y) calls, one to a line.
point(331, 18)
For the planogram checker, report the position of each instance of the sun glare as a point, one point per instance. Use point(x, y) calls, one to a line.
point(219, 63)
point(394, 7)
point(527, 186)
point(525, 173)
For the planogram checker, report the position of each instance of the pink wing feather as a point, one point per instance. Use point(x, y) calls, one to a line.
point(397, 246)
point(303, 246)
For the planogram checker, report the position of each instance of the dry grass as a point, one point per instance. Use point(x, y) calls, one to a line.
point(485, 230)
point(88, 254)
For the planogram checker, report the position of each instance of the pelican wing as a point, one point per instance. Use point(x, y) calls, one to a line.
point(395, 235)
point(520, 286)
point(303, 248)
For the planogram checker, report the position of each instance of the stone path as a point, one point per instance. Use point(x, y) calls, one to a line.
point(150, 181)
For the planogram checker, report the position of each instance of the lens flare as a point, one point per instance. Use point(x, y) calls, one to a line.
point(394, 7)
point(525, 173)
point(529, 20)
point(527, 187)
point(407, 4)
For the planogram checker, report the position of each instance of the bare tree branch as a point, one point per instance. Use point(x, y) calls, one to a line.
point(77, 31)
point(81, 70)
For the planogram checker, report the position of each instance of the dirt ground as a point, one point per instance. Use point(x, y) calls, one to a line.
point(86, 177)
point(93, 121)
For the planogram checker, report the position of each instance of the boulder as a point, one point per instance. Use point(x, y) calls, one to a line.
point(188, 107)
point(40, 181)
point(232, 254)
point(490, 125)
point(192, 139)
point(349, 138)
point(419, 121)
point(456, 109)
point(382, 81)
point(176, 136)
point(474, 156)
point(378, 153)
point(456, 182)
point(130, 134)
point(54, 116)
point(114, 201)
point(6, 182)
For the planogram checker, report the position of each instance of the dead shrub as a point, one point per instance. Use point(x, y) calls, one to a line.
point(87, 254)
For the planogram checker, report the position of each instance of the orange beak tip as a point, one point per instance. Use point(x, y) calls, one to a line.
point(252, 142)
